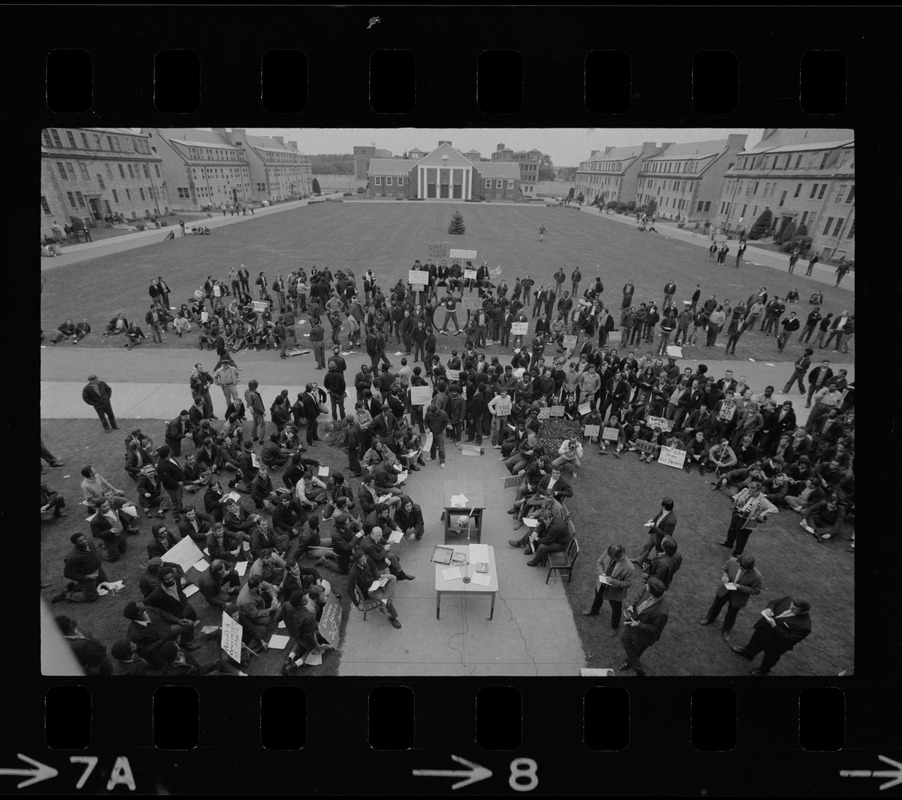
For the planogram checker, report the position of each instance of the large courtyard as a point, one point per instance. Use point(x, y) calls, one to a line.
point(612, 498)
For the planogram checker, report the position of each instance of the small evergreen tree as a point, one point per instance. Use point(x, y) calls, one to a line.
point(762, 224)
point(457, 224)
point(650, 207)
point(316, 189)
point(802, 230)
point(787, 233)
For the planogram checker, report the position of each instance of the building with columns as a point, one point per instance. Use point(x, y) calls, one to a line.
point(444, 174)
point(612, 174)
point(805, 177)
point(685, 180)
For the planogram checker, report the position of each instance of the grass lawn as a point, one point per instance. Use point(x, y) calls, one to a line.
point(67, 441)
point(628, 492)
point(387, 237)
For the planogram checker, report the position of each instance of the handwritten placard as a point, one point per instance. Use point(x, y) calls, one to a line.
point(672, 457)
point(556, 411)
point(465, 254)
point(231, 637)
point(544, 413)
point(420, 395)
point(727, 411)
point(437, 251)
point(674, 351)
point(645, 447)
point(519, 328)
point(659, 422)
point(260, 306)
point(416, 277)
point(591, 431)
point(570, 341)
point(495, 272)
point(330, 623)
point(471, 303)
point(610, 434)
point(469, 274)
point(584, 408)
point(512, 481)
point(503, 407)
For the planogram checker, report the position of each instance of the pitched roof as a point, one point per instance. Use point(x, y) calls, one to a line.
point(454, 157)
point(269, 143)
point(220, 145)
point(391, 166)
point(691, 150)
point(618, 154)
point(195, 136)
point(798, 148)
point(780, 137)
point(499, 169)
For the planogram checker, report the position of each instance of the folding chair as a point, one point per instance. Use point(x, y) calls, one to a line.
point(563, 562)
point(367, 605)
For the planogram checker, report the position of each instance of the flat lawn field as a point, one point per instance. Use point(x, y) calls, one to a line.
point(387, 237)
point(626, 493)
point(104, 618)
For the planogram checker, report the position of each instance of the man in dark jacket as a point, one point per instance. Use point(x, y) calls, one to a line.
point(310, 412)
point(553, 537)
point(738, 582)
point(437, 421)
point(334, 383)
point(170, 597)
point(169, 471)
point(98, 394)
point(364, 573)
point(149, 627)
point(176, 430)
point(644, 624)
point(783, 624)
point(83, 568)
point(665, 566)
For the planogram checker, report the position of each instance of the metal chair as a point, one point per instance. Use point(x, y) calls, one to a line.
point(367, 605)
point(563, 562)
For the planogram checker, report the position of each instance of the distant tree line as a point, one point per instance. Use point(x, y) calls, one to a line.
point(332, 164)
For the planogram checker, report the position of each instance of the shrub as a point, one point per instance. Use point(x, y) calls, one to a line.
point(360, 190)
point(762, 224)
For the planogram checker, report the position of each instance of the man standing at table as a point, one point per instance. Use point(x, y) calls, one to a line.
point(739, 581)
point(783, 624)
point(97, 394)
point(644, 624)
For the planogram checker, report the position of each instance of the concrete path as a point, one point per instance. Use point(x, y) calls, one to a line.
point(757, 256)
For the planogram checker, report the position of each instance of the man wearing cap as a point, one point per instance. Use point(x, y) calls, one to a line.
point(362, 580)
point(98, 394)
point(738, 582)
point(149, 627)
point(169, 597)
point(661, 525)
point(644, 623)
point(783, 624)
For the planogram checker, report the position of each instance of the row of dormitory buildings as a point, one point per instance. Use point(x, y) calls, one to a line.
point(804, 176)
point(89, 174)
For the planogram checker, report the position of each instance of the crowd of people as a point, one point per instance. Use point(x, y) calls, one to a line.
point(748, 440)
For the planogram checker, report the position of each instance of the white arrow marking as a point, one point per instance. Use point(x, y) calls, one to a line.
point(474, 774)
point(895, 774)
point(41, 772)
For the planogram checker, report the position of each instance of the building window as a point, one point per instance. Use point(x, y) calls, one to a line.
point(56, 139)
point(115, 196)
point(157, 169)
point(804, 217)
point(838, 227)
point(47, 140)
point(71, 138)
point(510, 184)
point(141, 192)
point(84, 171)
point(70, 170)
point(128, 194)
point(782, 199)
point(499, 184)
point(81, 199)
point(700, 208)
point(388, 181)
point(400, 181)
point(62, 168)
point(820, 195)
point(827, 226)
point(756, 188)
point(131, 172)
point(744, 207)
point(146, 171)
point(377, 181)
point(798, 189)
point(44, 205)
point(109, 171)
point(798, 160)
point(84, 141)
point(121, 172)
point(71, 200)
point(813, 192)
point(183, 192)
point(851, 195)
point(100, 182)
point(849, 235)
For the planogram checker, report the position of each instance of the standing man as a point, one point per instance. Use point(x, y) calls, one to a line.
point(661, 525)
point(738, 582)
point(226, 377)
point(542, 233)
point(817, 379)
point(169, 471)
point(789, 325)
point(437, 420)
point(244, 277)
point(750, 507)
point(740, 252)
point(811, 322)
point(783, 624)
point(799, 370)
point(335, 386)
point(318, 342)
point(669, 291)
point(615, 576)
point(98, 394)
point(812, 260)
point(178, 429)
point(576, 277)
point(311, 412)
point(644, 625)
point(559, 277)
point(254, 403)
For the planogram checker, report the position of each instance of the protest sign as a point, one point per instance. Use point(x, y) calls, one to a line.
point(727, 410)
point(675, 351)
point(204, 315)
point(659, 422)
point(503, 407)
point(556, 411)
point(495, 272)
point(610, 434)
point(519, 328)
point(591, 431)
point(471, 303)
point(570, 341)
point(184, 553)
point(672, 457)
point(465, 254)
point(453, 375)
point(544, 413)
point(613, 336)
point(260, 306)
point(469, 274)
point(420, 395)
point(585, 408)
point(512, 481)
point(645, 447)
point(330, 623)
point(438, 251)
point(417, 277)
point(231, 637)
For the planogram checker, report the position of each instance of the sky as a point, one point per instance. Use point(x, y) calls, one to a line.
point(566, 146)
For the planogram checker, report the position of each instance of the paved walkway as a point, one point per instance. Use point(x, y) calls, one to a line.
point(822, 273)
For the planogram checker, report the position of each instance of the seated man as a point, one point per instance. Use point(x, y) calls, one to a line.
point(149, 627)
point(380, 517)
point(227, 545)
point(150, 580)
point(381, 554)
point(163, 541)
point(549, 537)
point(82, 329)
point(696, 453)
point(64, 331)
point(117, 325)
point(195, 524)
point(387, 479)
point(134, 336)
point(258, 609)
point(220, 584)
point(409, 518)
point(170, 597)
point(740, 477)
point(270, 566)
point(196, 476)
point(370, 496)
point(810, 494)
point(84, 571)
point(824, 520)
point(150, 492)
point(300, 622)
point(721, 456)
point(272, 455)
point(95, 489)
point(110, 526)
point(366, 582)
point(310, 491)
point(51, 503)
point(261, 489)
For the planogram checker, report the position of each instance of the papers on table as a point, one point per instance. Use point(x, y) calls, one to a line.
point(201, 566)
point(482, 579)
point(529, 522)
point(278, 642)
point(479, 554)
point(241, 567)
point(459, 500)
point(395, 537)
point(442, 555)
point(452, 574)
point(323, 472)
point(191, 590)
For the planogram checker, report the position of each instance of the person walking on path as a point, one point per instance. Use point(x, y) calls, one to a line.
point(97, 394)
point(541, 233)
point(800, 369)
point(813, 259)
point(226, 377)
point(740, 252)
point(841, 271)
point(254, 403)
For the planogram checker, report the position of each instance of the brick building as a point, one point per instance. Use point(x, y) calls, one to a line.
point(90, 173)
point(529, 163)
point(612, 174)
point(805, 177)
point(362, 157)
point(685, 180)
point(445, 173)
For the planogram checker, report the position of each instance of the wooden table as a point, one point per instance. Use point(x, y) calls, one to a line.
point(457, 586)
point(472, 508)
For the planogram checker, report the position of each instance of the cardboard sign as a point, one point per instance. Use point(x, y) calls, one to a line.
point(591, 431)
point(544, 413)
point(469, 274)
point(417, 277)
point(556, 411)
point(494, 272)
point(675, 351)
point(659, 422)
point(330, 623)
point(438, 252)
point(453, 375)
point(570, 341)
point(464, 254)
point(512, 481)
point(503, 407)
point(420, 395)
point(260, 305)
point(645, 447)
point(519, 328)
point(204, 315)
point(471, 304)
point(610, 434)
point(184, 553)
point(672, 457)
point(727, 412)
point(613, 336)
point(585, 408)
point(231, 637)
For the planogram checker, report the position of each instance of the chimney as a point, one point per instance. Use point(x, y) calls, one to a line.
point(665, 145)
point(280, 140)
point(444, 141)
point(736, 141)
point(239, 137)
point(608, 149)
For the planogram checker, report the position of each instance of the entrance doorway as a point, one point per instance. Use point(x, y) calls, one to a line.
point(457, 191)
point(444, 191)
point(95, 209)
